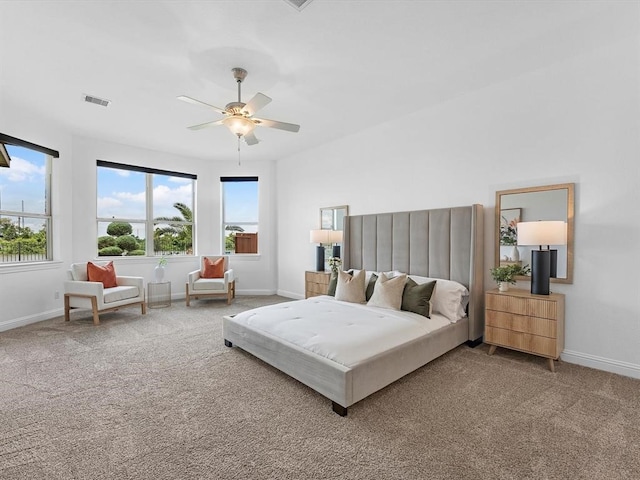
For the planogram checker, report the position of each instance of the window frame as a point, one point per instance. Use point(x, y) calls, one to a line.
point(224, 221)
point(47, 216)
point(149, 221)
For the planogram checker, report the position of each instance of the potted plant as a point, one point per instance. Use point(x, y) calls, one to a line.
point(506, 274)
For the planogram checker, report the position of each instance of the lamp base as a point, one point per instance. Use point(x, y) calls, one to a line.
point(540, 270)
point(336, 251)
point(553, 271)
point(320, 258)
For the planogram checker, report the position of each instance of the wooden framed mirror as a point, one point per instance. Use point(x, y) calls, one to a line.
point(332, 218)
point(548, 202)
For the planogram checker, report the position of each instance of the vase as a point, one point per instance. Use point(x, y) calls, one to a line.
point(515, 254)
point(503, 286)
point(158, 274)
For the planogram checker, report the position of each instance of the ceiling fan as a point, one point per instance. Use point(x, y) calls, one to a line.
point(238, 116)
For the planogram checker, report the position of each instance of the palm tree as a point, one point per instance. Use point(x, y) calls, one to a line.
point(177, 234)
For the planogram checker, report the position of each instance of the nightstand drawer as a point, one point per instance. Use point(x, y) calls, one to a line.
point(531, 306)
point(316, 283)
point(522, 323)
point(544, 346)
point(317, 277)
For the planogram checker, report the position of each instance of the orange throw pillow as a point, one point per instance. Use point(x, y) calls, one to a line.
point(213, 269)
point(106, 274)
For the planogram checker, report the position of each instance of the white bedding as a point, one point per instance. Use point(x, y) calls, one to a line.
point(346, 333)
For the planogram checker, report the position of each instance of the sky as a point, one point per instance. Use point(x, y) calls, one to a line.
point(121, 193)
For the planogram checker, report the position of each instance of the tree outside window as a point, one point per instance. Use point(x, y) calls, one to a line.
point(25, 208)
point(136, 204)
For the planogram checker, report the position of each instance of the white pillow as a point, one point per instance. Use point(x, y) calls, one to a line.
point(387, 292)
point(350, 288)
point(449, 298)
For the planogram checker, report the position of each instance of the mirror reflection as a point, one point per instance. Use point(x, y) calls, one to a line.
point(332, 218)
point(551, 202)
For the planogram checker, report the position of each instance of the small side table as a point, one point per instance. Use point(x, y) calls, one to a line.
point(159, 295)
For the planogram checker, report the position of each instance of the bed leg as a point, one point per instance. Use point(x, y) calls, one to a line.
point(474, 343)
point(339, 409)
point(227, 343)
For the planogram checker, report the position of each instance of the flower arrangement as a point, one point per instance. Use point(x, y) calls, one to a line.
point(334, 263)
point(508, 232)
point(162, 262)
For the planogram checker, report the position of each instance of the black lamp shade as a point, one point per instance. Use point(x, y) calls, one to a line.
point(540, 271)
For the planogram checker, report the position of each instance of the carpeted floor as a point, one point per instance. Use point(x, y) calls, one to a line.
point(158, 396)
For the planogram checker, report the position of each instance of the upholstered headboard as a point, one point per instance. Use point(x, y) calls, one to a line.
point(441, 243)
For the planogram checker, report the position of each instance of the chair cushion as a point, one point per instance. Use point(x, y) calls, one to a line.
point(209, 284)
point(79, 272)
point(102, 273)
point(213, 268)
point(115, 294)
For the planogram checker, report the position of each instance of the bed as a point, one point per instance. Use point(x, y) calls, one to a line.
point(334, 347)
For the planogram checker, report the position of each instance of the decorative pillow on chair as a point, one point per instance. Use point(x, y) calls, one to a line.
point(213, 268)
point(105, 274)
point(350, 288)
point(387, 292)
point(417, 298)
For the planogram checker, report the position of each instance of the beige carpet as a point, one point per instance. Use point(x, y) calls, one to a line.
point(158, 396)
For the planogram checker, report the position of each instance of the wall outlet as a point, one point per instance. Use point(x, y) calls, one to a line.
point(56, 295)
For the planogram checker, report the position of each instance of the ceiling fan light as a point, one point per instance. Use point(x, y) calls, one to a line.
point(239, 125)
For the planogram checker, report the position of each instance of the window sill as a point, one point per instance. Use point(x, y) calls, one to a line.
point(248, 257)
point(29, 266)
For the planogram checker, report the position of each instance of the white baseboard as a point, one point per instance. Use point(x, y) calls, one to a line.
point(29, 319)
point(255, 292)
point(296, 296)
point(601, 363)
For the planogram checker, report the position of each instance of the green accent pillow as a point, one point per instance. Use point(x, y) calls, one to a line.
point(333, 282)
point(417, 298)
point(370, 286)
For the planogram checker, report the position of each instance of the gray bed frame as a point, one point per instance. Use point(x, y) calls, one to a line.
point(441, 243)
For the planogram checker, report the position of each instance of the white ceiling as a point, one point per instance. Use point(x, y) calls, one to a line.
point(335, 68)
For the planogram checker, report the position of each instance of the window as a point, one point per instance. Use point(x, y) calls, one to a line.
point(25, 201)
point(240, 214)
point(137, 203)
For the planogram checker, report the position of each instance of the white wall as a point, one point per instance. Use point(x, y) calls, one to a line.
point(573, 120)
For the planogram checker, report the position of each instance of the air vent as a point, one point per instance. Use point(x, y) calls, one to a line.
point(298, 4)
point(96, 100)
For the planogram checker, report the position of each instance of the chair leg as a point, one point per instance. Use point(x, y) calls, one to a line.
point(66, 307)
point(187, 295)
point(144, 307)
point(94, 307)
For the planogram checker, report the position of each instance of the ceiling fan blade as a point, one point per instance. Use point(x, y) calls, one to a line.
point(289, 127)
point(258, 101)
point(193, 101)
point(205, 125)
point(250, 138)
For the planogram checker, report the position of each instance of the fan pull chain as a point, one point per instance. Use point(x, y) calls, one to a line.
point(238, 150)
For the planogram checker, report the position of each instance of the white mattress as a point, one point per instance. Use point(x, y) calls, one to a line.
point(346, 333)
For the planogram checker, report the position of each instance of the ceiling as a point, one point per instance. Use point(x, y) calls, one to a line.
point(336, 67)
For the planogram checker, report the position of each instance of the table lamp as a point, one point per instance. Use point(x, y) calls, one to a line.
point(542, 233)
point(320, 237)
point(335, 237)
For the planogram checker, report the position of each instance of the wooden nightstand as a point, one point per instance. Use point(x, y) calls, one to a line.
point(316, 283)
point(518, 320)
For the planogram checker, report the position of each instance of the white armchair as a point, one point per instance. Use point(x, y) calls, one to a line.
point(211, 287)
point(81, 293)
